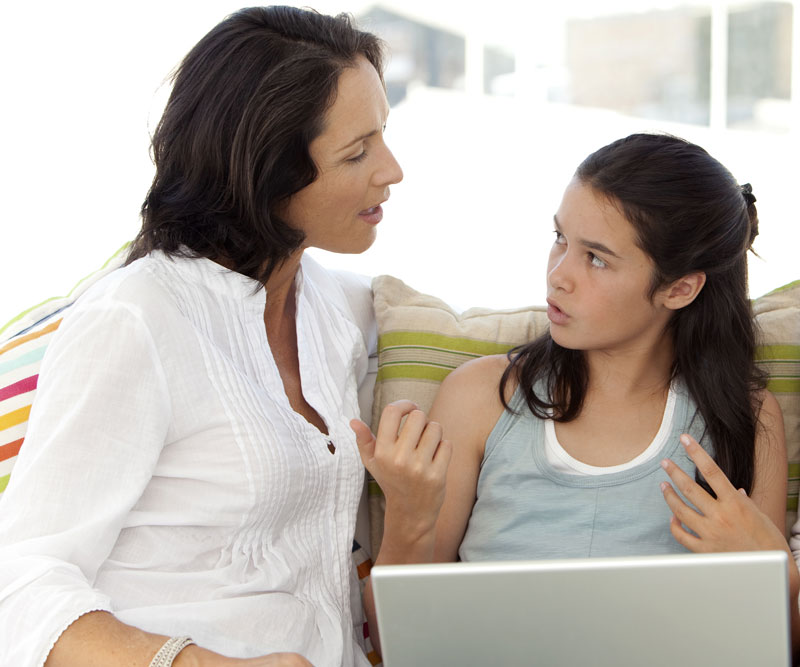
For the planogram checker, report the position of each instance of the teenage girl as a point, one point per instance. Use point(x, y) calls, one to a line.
point(565, 447)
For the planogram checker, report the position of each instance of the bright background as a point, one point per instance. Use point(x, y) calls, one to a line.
point(471, 222)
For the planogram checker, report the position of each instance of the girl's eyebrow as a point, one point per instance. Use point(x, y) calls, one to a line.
point(593, 245)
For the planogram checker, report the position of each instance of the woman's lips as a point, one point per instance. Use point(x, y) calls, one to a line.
point(372, 215)
point(555, 314)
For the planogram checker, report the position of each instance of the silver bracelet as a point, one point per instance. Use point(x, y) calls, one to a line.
point(167, 653)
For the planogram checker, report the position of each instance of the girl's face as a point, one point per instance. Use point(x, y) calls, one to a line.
point(340, 210)
point(598, 278)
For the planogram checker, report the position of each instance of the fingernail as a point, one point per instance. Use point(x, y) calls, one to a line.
point(664, 463)
point(685, 440)
point(663, 486)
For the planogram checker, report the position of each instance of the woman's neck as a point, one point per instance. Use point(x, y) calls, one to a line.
point(280, 310)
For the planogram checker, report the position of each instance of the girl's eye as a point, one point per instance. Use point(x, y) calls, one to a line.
point(559, 237)
point(595, 261)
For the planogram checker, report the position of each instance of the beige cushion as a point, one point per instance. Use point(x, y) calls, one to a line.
point(421, 339)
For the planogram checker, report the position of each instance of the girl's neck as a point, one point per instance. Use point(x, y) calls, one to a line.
point(634, 372)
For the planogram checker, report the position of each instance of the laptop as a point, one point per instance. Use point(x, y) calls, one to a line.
point(726, 609)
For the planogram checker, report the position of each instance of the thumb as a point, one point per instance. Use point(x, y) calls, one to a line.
point(364, 439)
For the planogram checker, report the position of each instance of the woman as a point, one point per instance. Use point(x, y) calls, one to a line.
point(189, 470)
point(562, 448)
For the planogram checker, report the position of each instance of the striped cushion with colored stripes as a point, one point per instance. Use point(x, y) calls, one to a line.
point(20, 358)
point(23, 341)
point(421, 339)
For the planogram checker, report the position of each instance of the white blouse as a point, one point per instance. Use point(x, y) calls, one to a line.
point(165, 477)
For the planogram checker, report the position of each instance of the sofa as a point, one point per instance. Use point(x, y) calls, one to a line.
point(420, 339)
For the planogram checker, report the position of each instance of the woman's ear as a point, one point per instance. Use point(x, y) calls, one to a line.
point(683, 291)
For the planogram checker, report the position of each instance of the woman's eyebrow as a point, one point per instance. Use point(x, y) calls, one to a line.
point(357, 139)
point(366, 135)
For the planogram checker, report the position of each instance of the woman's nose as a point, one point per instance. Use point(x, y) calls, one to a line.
point(390, 171)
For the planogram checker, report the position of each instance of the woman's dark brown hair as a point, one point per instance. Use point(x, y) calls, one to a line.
point(233, 142)
point(689, 215)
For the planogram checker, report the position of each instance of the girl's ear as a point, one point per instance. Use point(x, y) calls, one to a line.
point(683, 291)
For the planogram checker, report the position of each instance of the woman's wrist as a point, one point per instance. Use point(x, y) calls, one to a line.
point(169, 651)
point(403, 543)
point(197, 656)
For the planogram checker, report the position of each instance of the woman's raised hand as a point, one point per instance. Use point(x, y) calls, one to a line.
point(409, 461)
point(729, 522)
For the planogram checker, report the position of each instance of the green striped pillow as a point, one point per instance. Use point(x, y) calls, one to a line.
point(778, 317)
point(421, 339)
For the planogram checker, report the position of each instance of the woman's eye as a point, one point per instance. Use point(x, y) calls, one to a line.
point(358, 157)
point(594, 260)
point(559, 237)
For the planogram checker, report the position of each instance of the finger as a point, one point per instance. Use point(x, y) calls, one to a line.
point(684, 537)
point(688, 516)
point(412, 432)
point(444, 452)
point(364, 439)
point(708, 468)
point(392, 415)
point(690, 489)
point(429, 440)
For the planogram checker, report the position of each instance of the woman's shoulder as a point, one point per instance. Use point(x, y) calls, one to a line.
point(138, 297)
point(349, 293)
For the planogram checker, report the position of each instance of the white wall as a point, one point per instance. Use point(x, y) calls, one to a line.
point(471, 222)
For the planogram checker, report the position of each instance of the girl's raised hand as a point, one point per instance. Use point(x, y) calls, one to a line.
point(409, 461)
point(729, 522)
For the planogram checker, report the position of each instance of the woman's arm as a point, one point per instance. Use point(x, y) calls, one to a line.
point(97, 639)
point(408, 460)
point(425, 516)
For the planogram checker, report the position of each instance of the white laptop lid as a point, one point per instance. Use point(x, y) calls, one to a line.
point(677, 610)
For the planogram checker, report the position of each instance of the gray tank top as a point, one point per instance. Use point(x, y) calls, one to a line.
point(525, 509)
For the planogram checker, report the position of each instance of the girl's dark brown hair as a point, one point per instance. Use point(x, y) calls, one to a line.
point(233, 142)
point(690, 215)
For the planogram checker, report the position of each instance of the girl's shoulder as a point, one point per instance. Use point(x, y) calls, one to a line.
point(770, 427)
point(479, 375)
point(473, 389)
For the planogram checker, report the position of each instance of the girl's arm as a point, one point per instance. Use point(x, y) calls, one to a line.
point(467, 406)
point(771, 465)
point(732, 521)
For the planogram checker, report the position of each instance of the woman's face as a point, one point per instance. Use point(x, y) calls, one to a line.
point(598, 278)
point(340, 210)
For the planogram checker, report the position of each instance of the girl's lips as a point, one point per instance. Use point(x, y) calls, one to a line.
point(555, 314)
point(372, 215)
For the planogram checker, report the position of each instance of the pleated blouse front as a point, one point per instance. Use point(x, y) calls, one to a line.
point(166, 478)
